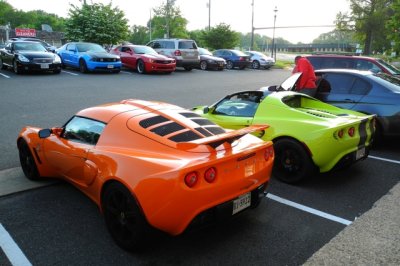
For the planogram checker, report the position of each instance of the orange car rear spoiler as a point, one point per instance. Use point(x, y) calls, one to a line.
point(217, 140)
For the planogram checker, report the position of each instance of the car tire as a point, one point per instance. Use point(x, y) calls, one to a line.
point(242, 67)
point(188, 68)
point(2, 66)
point(229, 64)
point(57, 71)
point(63, 66)
point(255, 64)
point(27, 161)
point(140, 67)
point(15, 68)
point(203, 65)
point(292, 162)
point(123, 217)
point(82, 66)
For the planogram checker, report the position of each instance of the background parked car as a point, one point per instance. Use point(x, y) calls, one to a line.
point(49, 47)
point(233, 58)
point(184, 51)
point(24, 56)
point(88, 57)
point(208, 61)
point(260, 60)
point(352, 62)
point(144, 59)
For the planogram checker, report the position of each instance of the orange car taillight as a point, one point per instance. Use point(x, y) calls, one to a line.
point(269, 152)
point(177, 53)
point(210, 175)
point(191, 179)
point(351, 131)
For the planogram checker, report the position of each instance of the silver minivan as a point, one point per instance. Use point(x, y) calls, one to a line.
point(184, 51)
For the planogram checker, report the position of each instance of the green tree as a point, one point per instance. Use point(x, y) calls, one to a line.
point(393, 26)
point(96, 23)
point(198, 36)
point(139, 35)
point(221, 36)
point(168, 22)
point(367, 19)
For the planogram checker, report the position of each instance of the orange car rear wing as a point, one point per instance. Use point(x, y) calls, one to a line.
point(217, 140)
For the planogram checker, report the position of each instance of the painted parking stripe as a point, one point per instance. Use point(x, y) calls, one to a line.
point(71, 73)
point(11, 249)
point(4, 75)
point(383, 159)
point(308, 209)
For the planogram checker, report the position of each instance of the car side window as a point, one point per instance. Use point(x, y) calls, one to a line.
point(71, 47)
point(340, 84)
point(83, 130)
point(360, 87)
point(125, 49)
point(168, 45)
point(242, 104)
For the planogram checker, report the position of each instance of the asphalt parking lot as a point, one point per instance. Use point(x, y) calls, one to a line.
point(56, 224)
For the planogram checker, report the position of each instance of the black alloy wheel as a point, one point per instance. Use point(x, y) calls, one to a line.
point(82, 66)
point(229, 64)
point(292, 163)
point(124, 220)
point(16, 69)
point(203, 65)
point(27, 161)
point(140, 67)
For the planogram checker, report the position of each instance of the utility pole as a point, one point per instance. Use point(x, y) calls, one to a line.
point(209, 14)
point(150, 26)
point(273, 49)
point(252, 26)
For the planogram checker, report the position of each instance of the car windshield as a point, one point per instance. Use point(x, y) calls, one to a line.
point(90, 47)
point(203, 51)
point(390, 82)
point(29, 46)
point(392, 69)
point(144, 50)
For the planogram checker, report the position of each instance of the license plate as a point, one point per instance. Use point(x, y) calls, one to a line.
point(110, 66)
point(44, 66)
point(241, 203)
point(360, 153)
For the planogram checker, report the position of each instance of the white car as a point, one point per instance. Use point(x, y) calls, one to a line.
point(260, 60)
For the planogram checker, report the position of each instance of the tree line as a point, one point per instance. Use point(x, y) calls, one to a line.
point(375, 24)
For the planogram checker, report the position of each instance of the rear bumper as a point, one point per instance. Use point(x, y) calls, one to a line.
point(188, 63)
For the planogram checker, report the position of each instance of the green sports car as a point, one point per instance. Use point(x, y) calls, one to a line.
point(308, 135)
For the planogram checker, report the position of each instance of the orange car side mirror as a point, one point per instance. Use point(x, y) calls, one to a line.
point(44, 133)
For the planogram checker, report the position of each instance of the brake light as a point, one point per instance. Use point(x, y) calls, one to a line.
point(242, 59)
point(340, 133)
point(351, 131)
point(210, 175)
point(177, 53)
point(191, 179)
point(269, 152)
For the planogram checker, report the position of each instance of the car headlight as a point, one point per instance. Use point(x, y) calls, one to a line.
point(22, 58)
point(57, 59)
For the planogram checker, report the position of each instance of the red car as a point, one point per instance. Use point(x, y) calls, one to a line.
point(144, 59)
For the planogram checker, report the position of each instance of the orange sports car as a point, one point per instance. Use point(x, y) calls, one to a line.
point(151, 165)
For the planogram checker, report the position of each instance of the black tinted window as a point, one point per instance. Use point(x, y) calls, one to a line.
point(187, 45)
point(360, 87)
point(83, 130)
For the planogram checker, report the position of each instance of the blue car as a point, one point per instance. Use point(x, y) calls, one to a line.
point(233, 58)
point(88, 57)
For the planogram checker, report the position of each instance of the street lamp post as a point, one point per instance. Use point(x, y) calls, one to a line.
point(209, 14)
point(252, 26)
point(273, 48)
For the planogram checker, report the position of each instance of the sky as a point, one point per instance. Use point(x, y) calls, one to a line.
point(236, 13)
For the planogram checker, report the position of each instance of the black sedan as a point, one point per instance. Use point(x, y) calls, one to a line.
point(24, 56)
point(208, 61)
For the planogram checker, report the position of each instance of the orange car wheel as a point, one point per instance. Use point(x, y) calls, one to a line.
point(27, 161)
point(123, 218)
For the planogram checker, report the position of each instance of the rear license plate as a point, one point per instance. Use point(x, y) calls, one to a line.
point(44, 66)
point(360, 153)
point(110, 66)
point(241, 203)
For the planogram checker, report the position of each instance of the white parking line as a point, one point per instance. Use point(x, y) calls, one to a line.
point(4, 75)
point(11, 249)
point(308, 209)
point(71, 73)
point(126, 72)
point(383, 159)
